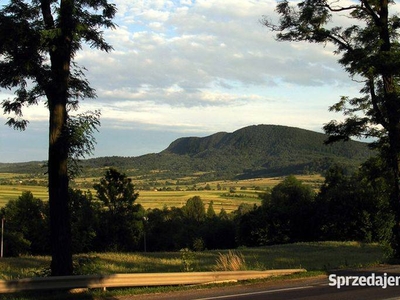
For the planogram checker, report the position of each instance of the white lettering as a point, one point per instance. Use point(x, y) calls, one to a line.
point(383, 281)
point(355, 281)
point(332, 279)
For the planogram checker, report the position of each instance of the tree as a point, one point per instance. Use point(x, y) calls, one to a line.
point(290, 211)
point(355, 207)
point(27, 226)
point(116, 191)
point(370, 52)
point(39, 42)
point(194, 209)
point(122, 218)
point(84, 220)
point(210, 210)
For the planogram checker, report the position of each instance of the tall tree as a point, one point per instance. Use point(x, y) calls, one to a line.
point(39, 42)
point(122, 219)
point(194, 209)
point(369, 51)
point(116, 191)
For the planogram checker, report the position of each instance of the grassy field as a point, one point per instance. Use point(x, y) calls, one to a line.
point(317, 256)
point(247, 191)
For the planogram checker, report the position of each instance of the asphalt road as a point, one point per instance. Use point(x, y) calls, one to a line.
point(308, 288)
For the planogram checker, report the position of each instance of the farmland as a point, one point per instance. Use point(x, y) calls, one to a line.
point(157, 194)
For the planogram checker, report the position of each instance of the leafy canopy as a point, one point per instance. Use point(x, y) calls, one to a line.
point(116, 191)
point(31, 34)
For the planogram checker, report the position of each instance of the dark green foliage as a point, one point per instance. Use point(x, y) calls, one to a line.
point(218, 233)
point(290, 210)
point(165, 230)
point(210, 210)
point(85, 214)
point(348, 207)
point(259, 151)
point(116, 191)
point(356, 207)
point(194, 209)
point(121, 219)
point(188, 227)
point(27, 226)
point(252, 228)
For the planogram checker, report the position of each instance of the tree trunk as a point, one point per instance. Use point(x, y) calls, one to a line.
point(58, 97)
point(60, 226)
point(392, 107)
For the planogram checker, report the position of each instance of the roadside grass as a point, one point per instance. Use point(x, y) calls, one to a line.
point(316, 257)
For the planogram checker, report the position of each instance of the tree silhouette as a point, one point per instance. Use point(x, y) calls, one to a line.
point(39, 42)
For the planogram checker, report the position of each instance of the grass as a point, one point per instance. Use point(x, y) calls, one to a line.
point(231, 261)
point(316, 257)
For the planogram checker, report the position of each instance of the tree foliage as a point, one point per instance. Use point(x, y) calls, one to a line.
point(195, 209)
point(116, 191)
point(356, 207)
point(289, 210)
point(27, 225)
point(121, 219)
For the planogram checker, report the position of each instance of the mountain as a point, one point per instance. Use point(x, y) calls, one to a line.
point(268, 150)
point(254, 151)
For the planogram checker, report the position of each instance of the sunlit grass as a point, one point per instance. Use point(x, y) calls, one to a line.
point(317, 256)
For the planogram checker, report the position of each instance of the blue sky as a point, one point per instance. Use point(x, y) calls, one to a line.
point(192, 68)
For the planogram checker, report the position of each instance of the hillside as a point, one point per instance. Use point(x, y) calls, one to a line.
point(268, 150)
point(254, 151)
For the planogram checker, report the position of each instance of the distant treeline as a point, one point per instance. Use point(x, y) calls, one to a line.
point(347, 207)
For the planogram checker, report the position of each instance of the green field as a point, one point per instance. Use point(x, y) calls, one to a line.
point(167, 193)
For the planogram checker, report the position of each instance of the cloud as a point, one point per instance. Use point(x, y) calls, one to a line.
point(166, 44)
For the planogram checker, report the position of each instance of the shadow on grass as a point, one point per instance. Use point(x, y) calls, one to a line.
point(316, 256)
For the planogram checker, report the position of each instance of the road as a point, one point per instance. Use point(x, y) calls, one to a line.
point(306, 288)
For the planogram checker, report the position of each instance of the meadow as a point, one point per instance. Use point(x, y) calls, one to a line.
point(314, 256)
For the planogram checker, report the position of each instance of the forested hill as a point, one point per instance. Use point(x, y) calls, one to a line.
point(268, 150)
point(254, 151)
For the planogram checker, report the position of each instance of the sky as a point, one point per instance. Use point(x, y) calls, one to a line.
point(191, 68)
